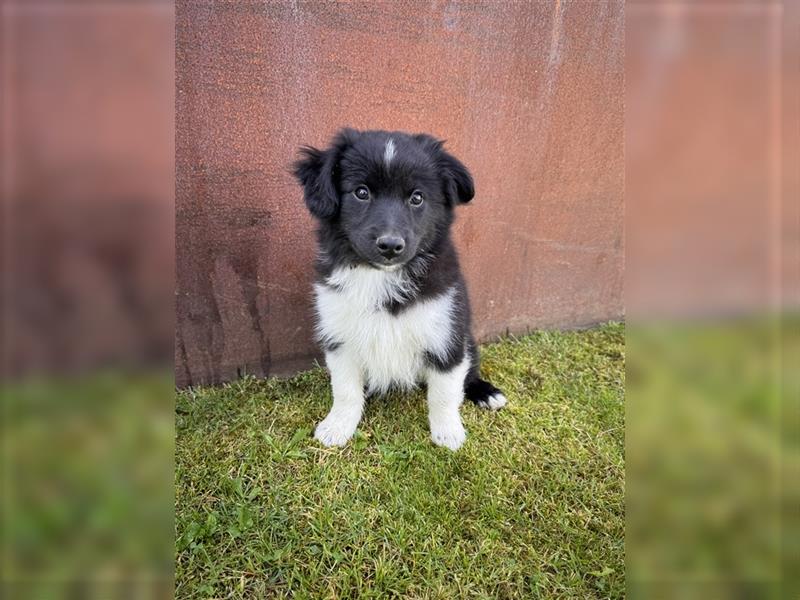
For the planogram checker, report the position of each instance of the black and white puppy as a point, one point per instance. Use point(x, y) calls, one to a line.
point(391, 301)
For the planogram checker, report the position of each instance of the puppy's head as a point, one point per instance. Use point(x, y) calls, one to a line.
point(390, 194)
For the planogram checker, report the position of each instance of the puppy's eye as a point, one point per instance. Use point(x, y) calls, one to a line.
point(416, 198)
point(361, 192)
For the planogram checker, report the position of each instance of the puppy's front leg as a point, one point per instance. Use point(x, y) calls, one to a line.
point(347, 385)
point(445, 394)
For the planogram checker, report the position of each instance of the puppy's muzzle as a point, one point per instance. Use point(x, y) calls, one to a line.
point(390, 246)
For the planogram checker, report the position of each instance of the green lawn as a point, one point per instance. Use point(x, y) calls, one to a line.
point(532, 505)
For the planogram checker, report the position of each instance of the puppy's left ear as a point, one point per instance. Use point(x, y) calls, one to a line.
point(459, 187)
point(456, 180)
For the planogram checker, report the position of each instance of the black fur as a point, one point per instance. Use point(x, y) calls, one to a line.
point(349, 226)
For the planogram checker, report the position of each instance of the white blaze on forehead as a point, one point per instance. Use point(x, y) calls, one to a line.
point(388, 153)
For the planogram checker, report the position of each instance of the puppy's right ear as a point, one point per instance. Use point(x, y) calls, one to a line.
point(318, 173)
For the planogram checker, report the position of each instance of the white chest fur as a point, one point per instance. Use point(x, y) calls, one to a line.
point(389, 349)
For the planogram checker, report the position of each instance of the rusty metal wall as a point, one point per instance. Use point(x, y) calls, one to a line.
point(87, 185)
point(529, 95)
point(711, 153)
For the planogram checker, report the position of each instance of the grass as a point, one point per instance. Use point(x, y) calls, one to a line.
point(713, 451)
point(86, 506)
point(531, 507)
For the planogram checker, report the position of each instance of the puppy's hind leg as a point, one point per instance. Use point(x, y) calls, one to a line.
point(445, 395)
point(482, 393)
point(347, 383)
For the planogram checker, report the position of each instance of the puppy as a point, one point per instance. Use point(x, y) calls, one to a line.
point(391, 301)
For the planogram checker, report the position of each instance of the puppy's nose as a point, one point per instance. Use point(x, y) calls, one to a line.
point(390, 245)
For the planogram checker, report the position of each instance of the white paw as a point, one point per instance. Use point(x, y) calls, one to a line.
point(335, 430)
point(497, 401)
point(494, 402)
point(449, 433)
